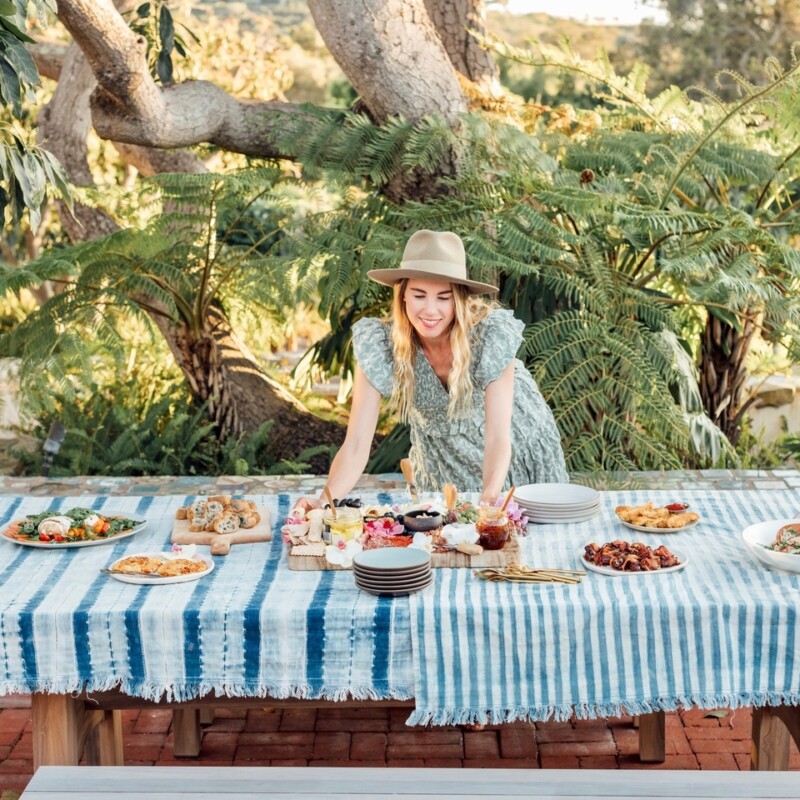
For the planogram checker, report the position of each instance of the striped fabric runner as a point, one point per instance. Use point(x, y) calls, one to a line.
point(250, 628)
point(721, 632)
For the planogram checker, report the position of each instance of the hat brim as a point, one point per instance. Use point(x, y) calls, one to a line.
point(389, 277)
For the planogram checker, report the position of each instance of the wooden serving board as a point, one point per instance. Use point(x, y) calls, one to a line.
point(221, 542)
point(451, 559)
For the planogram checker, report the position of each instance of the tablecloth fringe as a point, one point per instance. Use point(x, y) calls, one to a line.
point(564, 713)
point(179, 692)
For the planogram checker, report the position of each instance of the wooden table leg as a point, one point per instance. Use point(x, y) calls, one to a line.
point(207, 715)
point(60, 726)
point(104, 741)
point(186, 732)
point(772, 726)
point(652, 736)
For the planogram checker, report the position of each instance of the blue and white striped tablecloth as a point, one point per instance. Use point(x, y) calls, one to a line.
point(250, 628)
point(721, 632)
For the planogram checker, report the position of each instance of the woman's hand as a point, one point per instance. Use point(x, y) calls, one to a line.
point(307, 503)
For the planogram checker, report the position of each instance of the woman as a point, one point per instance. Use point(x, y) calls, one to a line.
point(446, 359)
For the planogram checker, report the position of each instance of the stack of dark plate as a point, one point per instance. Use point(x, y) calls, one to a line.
point(392, 571)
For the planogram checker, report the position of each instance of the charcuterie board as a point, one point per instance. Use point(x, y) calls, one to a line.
point(221, 542)
point(451, 559)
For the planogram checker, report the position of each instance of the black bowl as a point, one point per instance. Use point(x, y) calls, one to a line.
point(421, 521)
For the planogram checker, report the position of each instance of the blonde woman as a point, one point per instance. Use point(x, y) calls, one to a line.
point(447, 361)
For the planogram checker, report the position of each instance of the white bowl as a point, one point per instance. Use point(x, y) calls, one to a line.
point(759, 536)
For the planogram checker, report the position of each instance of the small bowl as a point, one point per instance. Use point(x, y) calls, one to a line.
point(421, 521)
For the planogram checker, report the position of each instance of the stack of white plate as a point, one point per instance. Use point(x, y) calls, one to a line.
point(557, 502)
point(392, 571)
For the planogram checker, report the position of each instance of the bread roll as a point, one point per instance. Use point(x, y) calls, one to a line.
point(227, 523)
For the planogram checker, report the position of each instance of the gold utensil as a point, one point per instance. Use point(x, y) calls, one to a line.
point(522, 573)
point(133, 572)
point(408, 473)
point(327, 492)
point(508, 498)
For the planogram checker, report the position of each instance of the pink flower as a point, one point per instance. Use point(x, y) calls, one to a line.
point(383, 526)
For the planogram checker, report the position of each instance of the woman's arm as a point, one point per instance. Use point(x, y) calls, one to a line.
point(499, 398)
point(353, 455)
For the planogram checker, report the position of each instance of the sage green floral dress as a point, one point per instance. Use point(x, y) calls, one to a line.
point(451, 451)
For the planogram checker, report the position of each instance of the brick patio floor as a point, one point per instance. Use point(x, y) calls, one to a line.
point(379, 737)
point(696, 739)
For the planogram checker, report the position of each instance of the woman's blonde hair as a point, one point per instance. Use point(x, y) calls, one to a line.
point(469, 311)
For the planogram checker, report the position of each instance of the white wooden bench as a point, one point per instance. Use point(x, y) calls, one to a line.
point(303, 783)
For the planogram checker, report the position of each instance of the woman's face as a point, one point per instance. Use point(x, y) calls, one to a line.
point(430, 307)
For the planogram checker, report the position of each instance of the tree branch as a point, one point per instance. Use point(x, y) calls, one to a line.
point(128, 106)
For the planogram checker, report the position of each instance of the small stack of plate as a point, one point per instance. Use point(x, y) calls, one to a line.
point(557, 502)
point(392, 571)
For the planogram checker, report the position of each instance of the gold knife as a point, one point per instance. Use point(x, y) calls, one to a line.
point(408, 474)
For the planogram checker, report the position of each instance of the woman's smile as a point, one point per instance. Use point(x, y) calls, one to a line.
point(430, 306)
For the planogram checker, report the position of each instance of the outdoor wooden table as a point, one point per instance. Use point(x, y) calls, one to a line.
point(720, 632)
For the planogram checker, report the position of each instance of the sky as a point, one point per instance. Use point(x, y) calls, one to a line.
point(623, 12)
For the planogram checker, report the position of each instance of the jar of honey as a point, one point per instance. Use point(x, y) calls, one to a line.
point(494, 528)
point(346, 525)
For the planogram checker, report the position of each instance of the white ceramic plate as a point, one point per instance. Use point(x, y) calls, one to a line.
point(388, 559)
point(394, 575)
point(560, 508)
point(89, 543)
point(758, 536)
point(647, 529)
point(569, 512)
point(392, 593)
point(392, 582)
point(616, 573)
point(151, 580)
point(544, 520)
point(556, 494)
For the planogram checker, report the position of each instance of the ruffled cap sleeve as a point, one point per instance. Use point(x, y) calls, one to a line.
point(499, 337)
point(372, 347)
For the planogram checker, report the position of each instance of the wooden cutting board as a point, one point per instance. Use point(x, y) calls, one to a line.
point(221, 542)
point(452, 559)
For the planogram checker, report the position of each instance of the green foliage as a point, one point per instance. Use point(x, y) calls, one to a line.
point(119, 428)
point(609, 241)
point(754, 452)
point(155, 23)
point(390, 451)
point(703, 39)
point(207, 251)
point(26, 170)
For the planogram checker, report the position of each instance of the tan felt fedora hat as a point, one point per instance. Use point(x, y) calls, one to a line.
point(432, 256)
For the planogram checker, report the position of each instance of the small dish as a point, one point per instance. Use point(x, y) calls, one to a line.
point(422, 521)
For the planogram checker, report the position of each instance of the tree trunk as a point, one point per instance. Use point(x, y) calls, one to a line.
point(392, 54)
point(453, 21)
point(723, 373)
point(224, 374)
point(219, 370)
